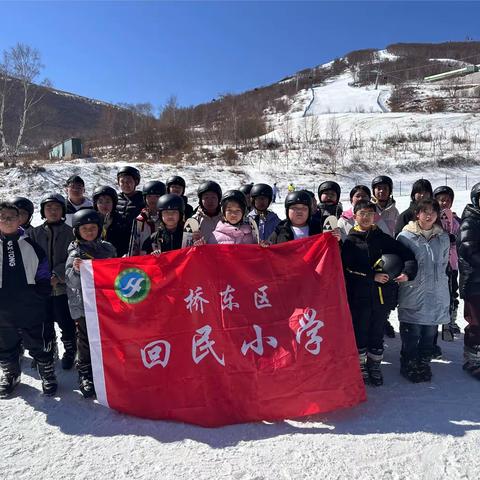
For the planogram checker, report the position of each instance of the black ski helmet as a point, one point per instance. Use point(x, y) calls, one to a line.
point(391, 264)
point(234, 196)
point(129, 171)
point(107, 191)
point(176, 180)
point(154, 187)
point(329, 185)
point(262, 190)
point(53, 197)
point(209, 186)
point(24, 204)
point(84, 217)
point(444, 189)
point(298, 197)
point(382, 179)
point(246, 189)
point(475, 194)
point(169, 201)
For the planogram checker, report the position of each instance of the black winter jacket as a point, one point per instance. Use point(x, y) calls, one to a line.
point(130, 207)
point(164, 240)
point(283, 231)
point(325, 210)
point(118, 234)
point(360, 251)
point(406, 216)
point(468, 247)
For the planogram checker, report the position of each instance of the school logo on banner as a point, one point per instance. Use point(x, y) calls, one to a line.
point(132, 285)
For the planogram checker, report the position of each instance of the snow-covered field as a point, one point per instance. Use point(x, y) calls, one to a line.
point(403, 431)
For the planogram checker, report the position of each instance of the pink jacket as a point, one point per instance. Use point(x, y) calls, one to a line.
point(230, 234)
point(452, 226)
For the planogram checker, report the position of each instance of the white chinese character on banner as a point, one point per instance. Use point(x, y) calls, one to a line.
point(195, 300)
point(261, 299)
point(227, 298)
point(202, 346)
point(257, 344)
point(311, 326)
point(156, 353)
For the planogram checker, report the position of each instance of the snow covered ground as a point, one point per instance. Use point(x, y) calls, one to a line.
point(403, 431)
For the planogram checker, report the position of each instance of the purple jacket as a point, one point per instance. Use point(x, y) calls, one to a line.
point(230, 234)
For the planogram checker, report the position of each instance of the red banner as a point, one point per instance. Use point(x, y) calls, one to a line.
point(223, 334)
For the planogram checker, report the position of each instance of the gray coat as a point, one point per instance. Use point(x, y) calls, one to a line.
point(54, 239)
point(425, 300)
point(86, 251)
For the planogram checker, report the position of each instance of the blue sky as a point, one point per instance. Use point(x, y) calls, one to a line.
point(147, 51)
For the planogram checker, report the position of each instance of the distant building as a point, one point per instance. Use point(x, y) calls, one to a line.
point(68, 149)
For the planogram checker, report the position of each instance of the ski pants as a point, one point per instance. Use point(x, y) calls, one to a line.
point(58, 312)
point(33, 339)
point(417, 340)
point(83, 347)
point(369, 325)
point(471, 313)
point(453, 288)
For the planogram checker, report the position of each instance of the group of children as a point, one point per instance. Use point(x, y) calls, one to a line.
point(408, 260)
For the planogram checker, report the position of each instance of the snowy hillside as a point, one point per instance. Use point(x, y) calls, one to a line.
point(403, 431)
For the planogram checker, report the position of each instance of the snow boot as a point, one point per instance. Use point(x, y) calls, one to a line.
point(46, 370)
point(453, 322)
point(374, 360)
point(471, 356)
point(448, 334)
point(85, 381)
point(68, 358)
point(424, 370)
point(389, 330)
point(10, 378)
point(362, 357)
point(409, 369)
point(52, 345)
point(436, 351)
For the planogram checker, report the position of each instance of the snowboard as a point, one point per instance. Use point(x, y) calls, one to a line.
point(191, 226)
point(330, 223)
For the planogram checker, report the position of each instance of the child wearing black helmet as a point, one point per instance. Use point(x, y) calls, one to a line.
point(169, 234)
point(328, 201)
point(25, 209)
point(24, 289)
point(451, 224)
point(148, 220)
point(266, 220)
point(114, 228)
point(176, 185)
point(299, 222)
point(372, 291)
point(382, 190)
point(54, 236)
point(87, 228)
point(469, 267)
point(232, 229)
point(130, 200)
point(208, 212)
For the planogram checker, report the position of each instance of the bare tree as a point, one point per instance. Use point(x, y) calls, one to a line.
point(21, 63)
